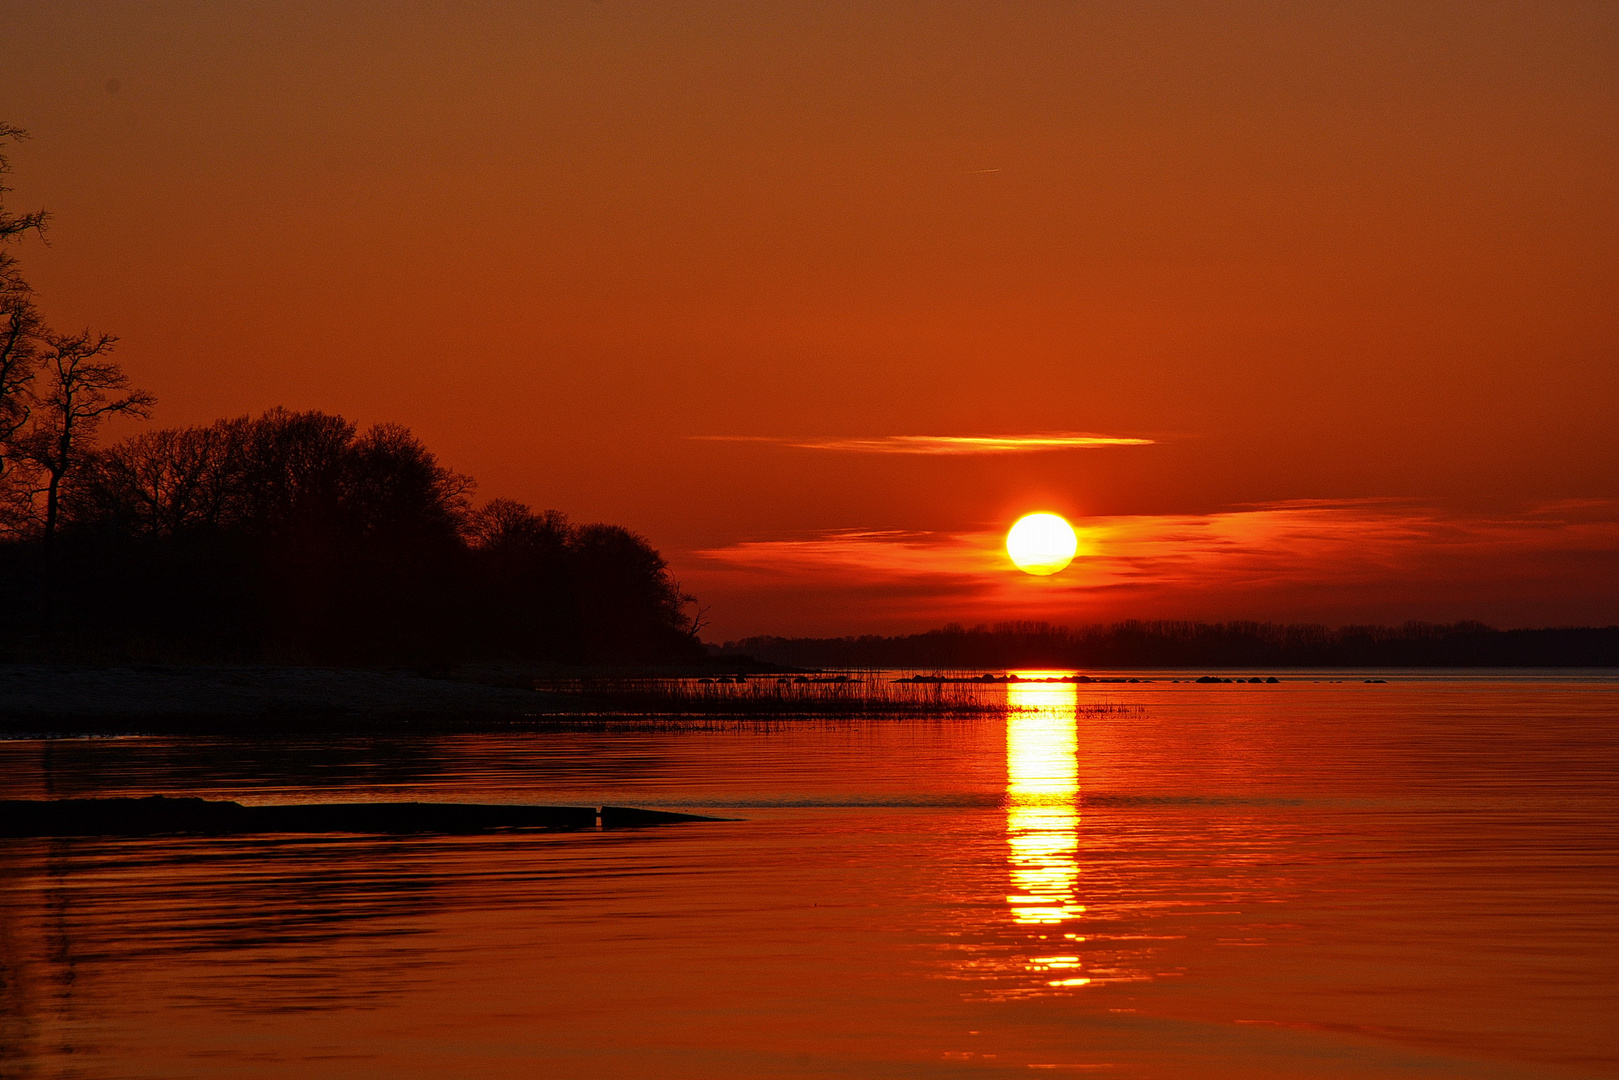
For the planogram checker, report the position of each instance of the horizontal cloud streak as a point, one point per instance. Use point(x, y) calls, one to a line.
point(943, 444)
point(1309, 559)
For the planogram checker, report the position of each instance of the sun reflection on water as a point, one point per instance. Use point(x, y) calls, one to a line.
point(1042, 813)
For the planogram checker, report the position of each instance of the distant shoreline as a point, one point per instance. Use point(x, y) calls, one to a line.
point(1141, 645)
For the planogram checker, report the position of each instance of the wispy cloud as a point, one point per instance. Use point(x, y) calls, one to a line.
point(943, 444)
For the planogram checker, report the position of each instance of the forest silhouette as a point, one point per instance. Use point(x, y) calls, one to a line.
point(296, 537)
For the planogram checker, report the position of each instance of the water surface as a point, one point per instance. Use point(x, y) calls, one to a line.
point(1415, 878)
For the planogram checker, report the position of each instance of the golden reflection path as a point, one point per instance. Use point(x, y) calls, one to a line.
point(1042, 814)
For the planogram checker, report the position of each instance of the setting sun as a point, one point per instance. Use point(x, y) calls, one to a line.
point(1041, 544)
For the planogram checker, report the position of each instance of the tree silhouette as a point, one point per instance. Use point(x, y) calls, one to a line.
point(81, 389)
point(296, 536)
point(21, 332)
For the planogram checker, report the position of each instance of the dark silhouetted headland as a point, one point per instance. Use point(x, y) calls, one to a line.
point(294, 537)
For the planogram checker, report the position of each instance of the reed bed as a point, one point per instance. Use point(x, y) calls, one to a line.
point(770, 697)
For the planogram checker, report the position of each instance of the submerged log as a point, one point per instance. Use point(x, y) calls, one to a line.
point(158, 814)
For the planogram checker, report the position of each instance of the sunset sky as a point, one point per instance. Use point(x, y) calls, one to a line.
point(1297, 311)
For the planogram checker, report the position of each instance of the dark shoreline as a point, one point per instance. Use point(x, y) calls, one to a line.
point(44, 700)
point(65, 701)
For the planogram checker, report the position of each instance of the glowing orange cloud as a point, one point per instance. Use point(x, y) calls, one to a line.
point(1316, 560)
point(944, 444)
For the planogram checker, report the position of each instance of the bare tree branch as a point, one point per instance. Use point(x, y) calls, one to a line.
point(13, 226)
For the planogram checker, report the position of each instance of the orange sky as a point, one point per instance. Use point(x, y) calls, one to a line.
point(1349, 267)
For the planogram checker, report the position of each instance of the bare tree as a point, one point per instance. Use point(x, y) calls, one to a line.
point(20, 347)
point(80, 389)
point(21, 333)
point(159, 483)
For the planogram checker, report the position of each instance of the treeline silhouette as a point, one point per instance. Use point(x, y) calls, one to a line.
point(1195, 645)
point(295, 537)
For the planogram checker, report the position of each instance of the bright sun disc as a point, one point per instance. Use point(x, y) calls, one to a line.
point(1041, 544)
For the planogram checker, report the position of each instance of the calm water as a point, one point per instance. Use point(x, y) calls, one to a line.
point(1303, 880)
